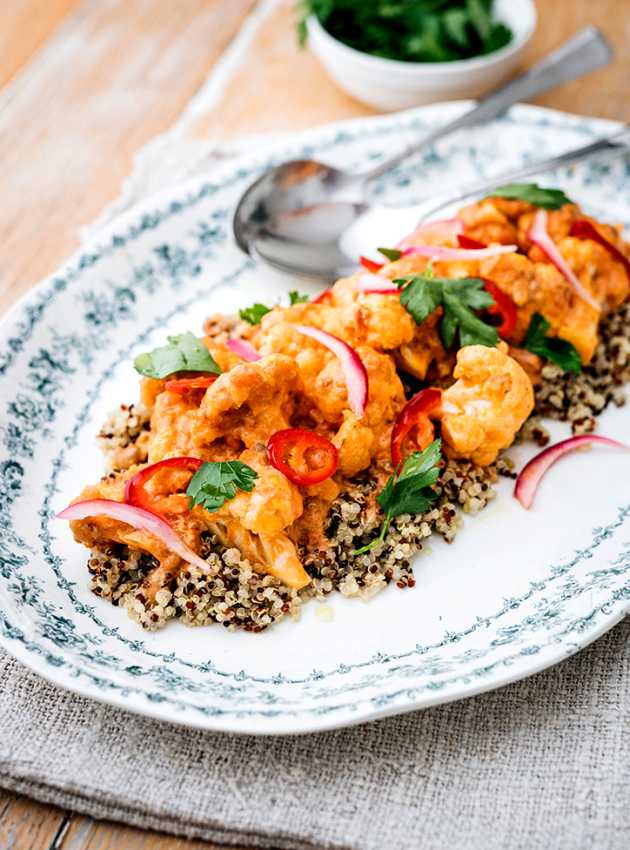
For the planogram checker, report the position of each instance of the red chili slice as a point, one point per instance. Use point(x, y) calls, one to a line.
point(583, 229)
point(324, 297)
point(504, 307)
point(303, 456)
point(135, 488)
point(415, 414)
point(370, 265)
point(185, 385)
point(467, 242)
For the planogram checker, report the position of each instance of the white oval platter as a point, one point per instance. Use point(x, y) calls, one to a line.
point(516, 592)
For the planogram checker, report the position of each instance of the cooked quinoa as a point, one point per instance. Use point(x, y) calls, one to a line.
point(579, 399)
point(234, 595)
point(122, 437)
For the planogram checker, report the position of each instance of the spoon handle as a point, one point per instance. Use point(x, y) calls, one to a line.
point(586, 51)
point(615, 145)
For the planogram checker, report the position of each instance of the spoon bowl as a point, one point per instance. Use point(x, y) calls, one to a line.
point(295, 185)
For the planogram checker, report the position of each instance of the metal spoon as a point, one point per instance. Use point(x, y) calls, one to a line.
point(325, 241)
point(297, 215)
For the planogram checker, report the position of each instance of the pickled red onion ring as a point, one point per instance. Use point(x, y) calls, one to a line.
point(351, 364)
point(532, 473)
point(138, 518)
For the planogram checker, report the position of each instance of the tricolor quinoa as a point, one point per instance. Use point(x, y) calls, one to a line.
point(238, 597)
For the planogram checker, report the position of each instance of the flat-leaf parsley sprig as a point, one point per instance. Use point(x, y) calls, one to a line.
point(215, 482)
point(559, 351)
point(254, 313)
point(409, 490)
point(538, 196)
point(458, 297)
point(183, 353)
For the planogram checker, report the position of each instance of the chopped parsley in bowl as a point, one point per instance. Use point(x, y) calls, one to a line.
point(411, 30)
point(395, 54)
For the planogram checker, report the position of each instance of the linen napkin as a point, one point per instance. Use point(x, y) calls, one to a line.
point(541, 763)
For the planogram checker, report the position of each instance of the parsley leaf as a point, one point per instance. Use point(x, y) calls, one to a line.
point(392, 254)
point(296, 298)
point(184, 353)
point(410, 491)
point(217, 481)
point(559, 351)
point(254, 314)
point(458, 297)
point(549, 199)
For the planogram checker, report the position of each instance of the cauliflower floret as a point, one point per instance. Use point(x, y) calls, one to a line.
point(538, 287)
point(355, 444)
point(558, 225)
point(360, 440)
point(173, 423)
point(598, 271)
point(425, 349)
point(98, 531)
point(243, 406)
point(489, 220)
point(485, 407)
point(358, 318)
point(272, 505)
point(250, 402)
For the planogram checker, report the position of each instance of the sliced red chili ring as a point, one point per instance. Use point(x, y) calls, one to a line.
point(370, 265)
point(467, 242)
point(135, 488)
point(503, 306)
point(415, 414)
point(303, 456)
point(185, 385)
point(324, 297)
point(583, 229)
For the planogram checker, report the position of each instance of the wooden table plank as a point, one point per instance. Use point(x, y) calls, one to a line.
point(87, 834)
point(27, 825)
point(113, 76)
point(603, 93)
point(24, 26)
point(259, 99)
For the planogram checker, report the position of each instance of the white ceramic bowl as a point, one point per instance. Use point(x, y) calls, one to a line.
point(388, 84)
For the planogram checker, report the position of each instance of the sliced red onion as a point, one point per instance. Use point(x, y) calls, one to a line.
point(539, 235)
point(441, 252)
point(532, 474)
point(447, 228)
point(376, 283)
point(243, 349)
point(351, 364)
point(136, 518)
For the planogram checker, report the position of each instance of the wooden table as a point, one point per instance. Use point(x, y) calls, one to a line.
point(85, 83)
